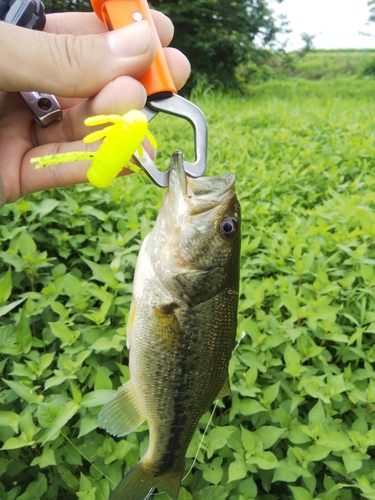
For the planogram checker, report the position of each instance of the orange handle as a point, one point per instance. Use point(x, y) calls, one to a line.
point(118, 13)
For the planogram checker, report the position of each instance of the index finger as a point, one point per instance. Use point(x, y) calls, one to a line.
point(87, 23)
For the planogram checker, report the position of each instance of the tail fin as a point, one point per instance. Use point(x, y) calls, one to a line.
point(140, 481)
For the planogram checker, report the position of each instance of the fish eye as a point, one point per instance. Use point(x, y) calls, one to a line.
point(228, 227)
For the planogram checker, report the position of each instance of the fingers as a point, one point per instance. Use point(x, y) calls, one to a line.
point(59, 175)
point(87, 23)
point(78, 60)
point(179, 66)
point(117, 97)
point(73, 66)
point(74, 23)
point(164, 27)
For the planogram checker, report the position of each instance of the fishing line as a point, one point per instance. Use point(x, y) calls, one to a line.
point(86, 458)
point(211, 416)
point(242, 336)
point(201, 441)
point(150, 494)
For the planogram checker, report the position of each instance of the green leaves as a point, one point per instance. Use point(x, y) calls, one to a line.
point(293, 362)
point(46, 459)
point(306, 361)
point(64, 333)
point(254, 448)
point(23, 335)
point(26, 393)
point(58, 420)
point(102, 273)
point(5, 286)
point(237, 469)
point(213, 472)
point(9, 418)
point(299, 422)
point(35, 489)
point(20, 441)
point(9, 307)
point(218, 438)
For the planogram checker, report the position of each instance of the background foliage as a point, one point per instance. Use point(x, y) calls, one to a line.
point(217, 36)
point(300, 422)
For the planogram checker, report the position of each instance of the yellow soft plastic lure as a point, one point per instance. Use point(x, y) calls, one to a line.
point(121, 141)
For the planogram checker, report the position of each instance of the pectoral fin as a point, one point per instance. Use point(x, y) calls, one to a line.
point(122, 415)
point(166, 326)
point(225, 390)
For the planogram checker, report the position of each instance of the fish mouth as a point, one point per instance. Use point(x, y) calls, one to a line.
point(196, 196)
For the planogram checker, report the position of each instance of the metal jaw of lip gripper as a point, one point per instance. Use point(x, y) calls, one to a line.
point(44, 107)
point(182, 108)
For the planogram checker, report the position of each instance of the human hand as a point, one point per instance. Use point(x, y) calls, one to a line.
point(93, 71)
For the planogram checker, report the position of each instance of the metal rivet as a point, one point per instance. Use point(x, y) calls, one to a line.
point(137, 16)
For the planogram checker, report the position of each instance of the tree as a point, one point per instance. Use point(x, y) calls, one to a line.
point(371, 4)
point(67, 6)
point(371, 18)
point(218, 35)
point(308, 40)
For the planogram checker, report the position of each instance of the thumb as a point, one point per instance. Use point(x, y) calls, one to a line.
point(72, 66)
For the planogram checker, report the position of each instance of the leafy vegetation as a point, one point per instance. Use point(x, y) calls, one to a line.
point(316, 64)
point(368, 68)
point(300, 422)
point(309, 64)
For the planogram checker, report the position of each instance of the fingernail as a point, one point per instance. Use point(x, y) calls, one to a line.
point(130, 41)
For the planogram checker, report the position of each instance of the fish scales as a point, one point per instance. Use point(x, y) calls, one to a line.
point(179, 380)
point(181, 327)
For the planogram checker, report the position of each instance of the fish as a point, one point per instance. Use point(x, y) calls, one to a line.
point(181, 327)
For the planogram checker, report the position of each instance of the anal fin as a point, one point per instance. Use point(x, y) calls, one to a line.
point(122, 415)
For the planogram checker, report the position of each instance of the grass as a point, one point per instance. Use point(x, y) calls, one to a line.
point(318, 64)
point(300, 422)
point(314, 93)
point(311, 65)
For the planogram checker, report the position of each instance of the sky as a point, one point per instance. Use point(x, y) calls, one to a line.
point(335, 23)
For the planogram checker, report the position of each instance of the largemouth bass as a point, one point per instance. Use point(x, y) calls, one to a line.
point(181, 327)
